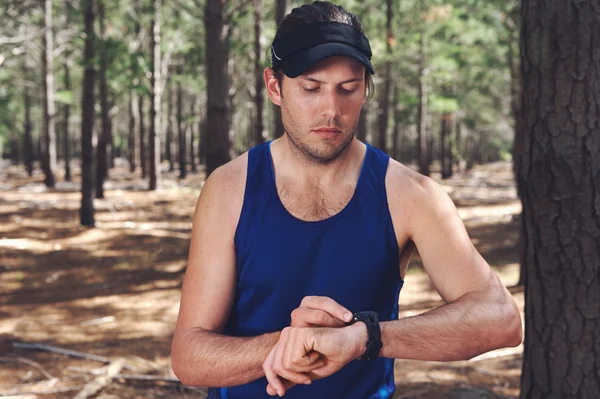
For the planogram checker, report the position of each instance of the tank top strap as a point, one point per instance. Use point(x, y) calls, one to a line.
point(374, 171)
point(259, 180)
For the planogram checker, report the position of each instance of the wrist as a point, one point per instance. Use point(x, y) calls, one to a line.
point(359, 336)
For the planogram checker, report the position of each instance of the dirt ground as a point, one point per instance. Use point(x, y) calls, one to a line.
point(113, 290)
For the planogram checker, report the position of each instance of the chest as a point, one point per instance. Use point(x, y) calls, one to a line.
point(312, 203)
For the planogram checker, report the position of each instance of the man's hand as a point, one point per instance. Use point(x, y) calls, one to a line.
point(320, 311)
point(314, 311)
point(304, 354)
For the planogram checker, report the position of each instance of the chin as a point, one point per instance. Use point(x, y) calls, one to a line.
point(327, 150)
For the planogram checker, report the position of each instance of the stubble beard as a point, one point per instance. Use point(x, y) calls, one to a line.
point(309, 153)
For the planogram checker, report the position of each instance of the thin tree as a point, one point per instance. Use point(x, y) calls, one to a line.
point(86, 213)
point(217, 82)
point(560, 192)
point(422, 153)
point(169, 136)
point(155, 73)
point(131, 153)
point(384, 102)
point(280, 8)
point(258, 76)
point(102, 147)
point(49, 142)
point(192, 141)
point(181, 129)
point(27, 139)
point(445, 133)
point(66, 118)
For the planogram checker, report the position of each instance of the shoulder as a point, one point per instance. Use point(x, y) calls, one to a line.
point(223, 191)
point(413, 196)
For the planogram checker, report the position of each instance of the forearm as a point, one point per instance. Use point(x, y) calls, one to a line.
point(471, 325)
point(204, 358)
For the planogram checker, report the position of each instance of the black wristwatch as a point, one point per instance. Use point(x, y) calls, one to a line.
point(374, 344)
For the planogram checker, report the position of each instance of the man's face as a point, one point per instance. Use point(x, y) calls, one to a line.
point(320, 108)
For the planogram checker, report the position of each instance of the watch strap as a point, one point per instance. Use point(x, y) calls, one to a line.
point(374, 344)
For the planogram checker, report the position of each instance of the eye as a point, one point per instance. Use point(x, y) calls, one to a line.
point(311, 89)
point(347, 91)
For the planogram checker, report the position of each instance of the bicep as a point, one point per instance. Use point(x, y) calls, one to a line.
point(209, 283)
point(449, 257)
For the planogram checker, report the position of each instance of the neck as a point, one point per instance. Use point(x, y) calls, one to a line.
point(290, 161)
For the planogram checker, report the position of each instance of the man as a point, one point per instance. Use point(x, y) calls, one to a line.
point(300, 246)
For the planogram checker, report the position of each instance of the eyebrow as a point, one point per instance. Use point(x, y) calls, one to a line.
point(341, 83)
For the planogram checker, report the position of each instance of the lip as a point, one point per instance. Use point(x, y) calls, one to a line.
point(327, 130)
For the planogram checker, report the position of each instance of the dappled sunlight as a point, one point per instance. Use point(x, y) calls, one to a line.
point(114, 290)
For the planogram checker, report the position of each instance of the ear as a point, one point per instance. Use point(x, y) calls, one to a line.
point(272, 86)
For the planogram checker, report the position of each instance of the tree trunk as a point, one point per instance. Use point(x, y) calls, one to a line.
point(384, 103)
point(27, 139)
point(181, 131)
point(361, 131)
point(67, 117)
point(560, 181)
point(422, 153)
point(397, 121)
point(258, 76)
point(202, 133)
point(154, 135)
point(191, 124)
point(131, 136)
point(169, 138)
point(217, 110)
point(142, 143)
point(280, 9)
point(445, 158)
point(512, 26)
point(103, 137)
point(87, 119)
point(49, 143)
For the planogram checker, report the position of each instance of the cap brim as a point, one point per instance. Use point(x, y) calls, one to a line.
point(295, 64)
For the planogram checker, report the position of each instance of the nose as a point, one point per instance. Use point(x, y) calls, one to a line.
point(331, 104)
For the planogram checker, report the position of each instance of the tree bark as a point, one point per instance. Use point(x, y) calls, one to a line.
point(86, 213)
point(181, 131)
point(67, 117)
point(560, 182)
point(445, 157)
point(49, 142)
point(280, 9)
point(258, 76)
point(422, 152)
point(103, 138)
point(397, 122)
point(217, 110)
point(27, 138)
point(191, 124)
point(155, 66)
point(142, 143)
point(362, 128)
point(131, 135)
point(169, 139)
point(384, 102)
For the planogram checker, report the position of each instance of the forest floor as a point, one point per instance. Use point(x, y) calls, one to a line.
point(113, 290)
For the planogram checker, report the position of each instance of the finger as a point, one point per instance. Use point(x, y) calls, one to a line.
point(328, 305)
point(296, 357)
point(279, 364)
point(309, 317)
point(273, 380)
point(287, 385)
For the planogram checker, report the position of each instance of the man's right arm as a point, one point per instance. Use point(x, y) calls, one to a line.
point(200, 354)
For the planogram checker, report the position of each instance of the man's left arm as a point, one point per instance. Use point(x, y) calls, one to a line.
point(479, 315)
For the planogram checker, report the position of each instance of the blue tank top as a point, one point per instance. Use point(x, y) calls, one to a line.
point(351, 257)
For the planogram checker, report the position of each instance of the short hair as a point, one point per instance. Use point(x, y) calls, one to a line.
point(320, 11)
